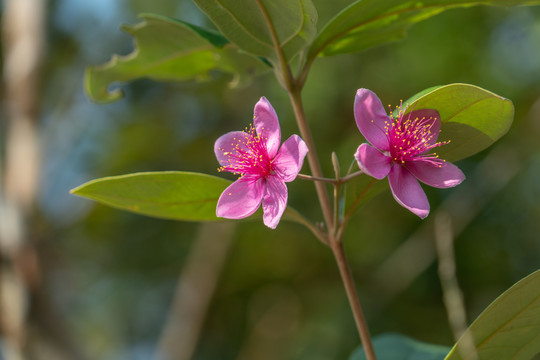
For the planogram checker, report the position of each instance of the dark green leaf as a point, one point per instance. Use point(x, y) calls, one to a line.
point(169, 49)
point(169, 195)
point(245, 24)
point(368, 23)
point(399, 347)
point(472, 118)
point(509, 328)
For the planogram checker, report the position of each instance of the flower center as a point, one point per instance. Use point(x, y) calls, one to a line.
point(249, 157)
point(411, 138)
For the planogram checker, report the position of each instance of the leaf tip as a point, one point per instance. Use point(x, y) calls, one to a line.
point(96, 87)
point(76, 190)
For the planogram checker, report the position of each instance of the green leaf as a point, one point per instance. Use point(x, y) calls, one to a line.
point(399, 347)
point(249, 24)
point(369, 23)
point(472, 118)
point(509, 328)
point(169, 49)
point(175, 195)
point(170, 195)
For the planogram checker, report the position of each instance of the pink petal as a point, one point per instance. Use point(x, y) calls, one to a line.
point(241, 199)
point(229, 143)
point(434, 120)
point(372, 162)
point(274, 201)
point(371, 118)
point(266, 123)
point(407, 191)
point(443, 175)
point(290, 158)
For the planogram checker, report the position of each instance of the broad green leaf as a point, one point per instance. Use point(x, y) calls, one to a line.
point(369, 23)
point(170, 195)
point(249, 24)
point(509, 328)
point(169, 49)
point(472, 118)
point(175, 195)
point(399, 347)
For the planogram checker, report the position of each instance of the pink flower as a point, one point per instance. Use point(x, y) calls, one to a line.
point(263, 166)
point(399, 149)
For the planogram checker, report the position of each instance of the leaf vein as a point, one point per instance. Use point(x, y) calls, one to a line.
point(242, 26)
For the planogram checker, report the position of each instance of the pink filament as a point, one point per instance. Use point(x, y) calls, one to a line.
point(409, 139)
point(250, 158)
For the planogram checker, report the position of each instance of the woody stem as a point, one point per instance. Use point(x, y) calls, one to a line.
point(333, 228)
point(298, 107)
point(294, 89)
point(352, 295)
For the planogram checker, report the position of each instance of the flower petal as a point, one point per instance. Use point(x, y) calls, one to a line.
point(266, 123)
point(231, 142)
point(371, 118)
point(443, 175)
point(274, 201)
point(372, 162)
point(241, 199)
point(407, 191)
point(433, 118)
point(290, 158)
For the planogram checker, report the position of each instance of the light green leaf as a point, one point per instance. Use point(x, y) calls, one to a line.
point(249, 24)
point(472, 118)
point(169, 49)
point(509, 328)
point(368, 23)
point(170, 195)
point(399, 347)
point(175, 195)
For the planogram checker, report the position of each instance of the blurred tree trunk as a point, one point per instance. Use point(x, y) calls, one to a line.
point(22, 35)
point(21, 289)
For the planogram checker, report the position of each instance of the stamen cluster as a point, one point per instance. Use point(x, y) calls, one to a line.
point(410, 138)
point(249, 156)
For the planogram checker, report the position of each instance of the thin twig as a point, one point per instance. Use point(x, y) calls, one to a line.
point(349, 177)
point(313, 160)
point(342, 180)
point(337, 193)
point(452, 294)
point(314, 178)
point(285, 74)
point(352, 295)
point(299, 218)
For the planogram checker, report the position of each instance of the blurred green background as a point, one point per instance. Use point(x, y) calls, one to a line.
point(109, 277)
